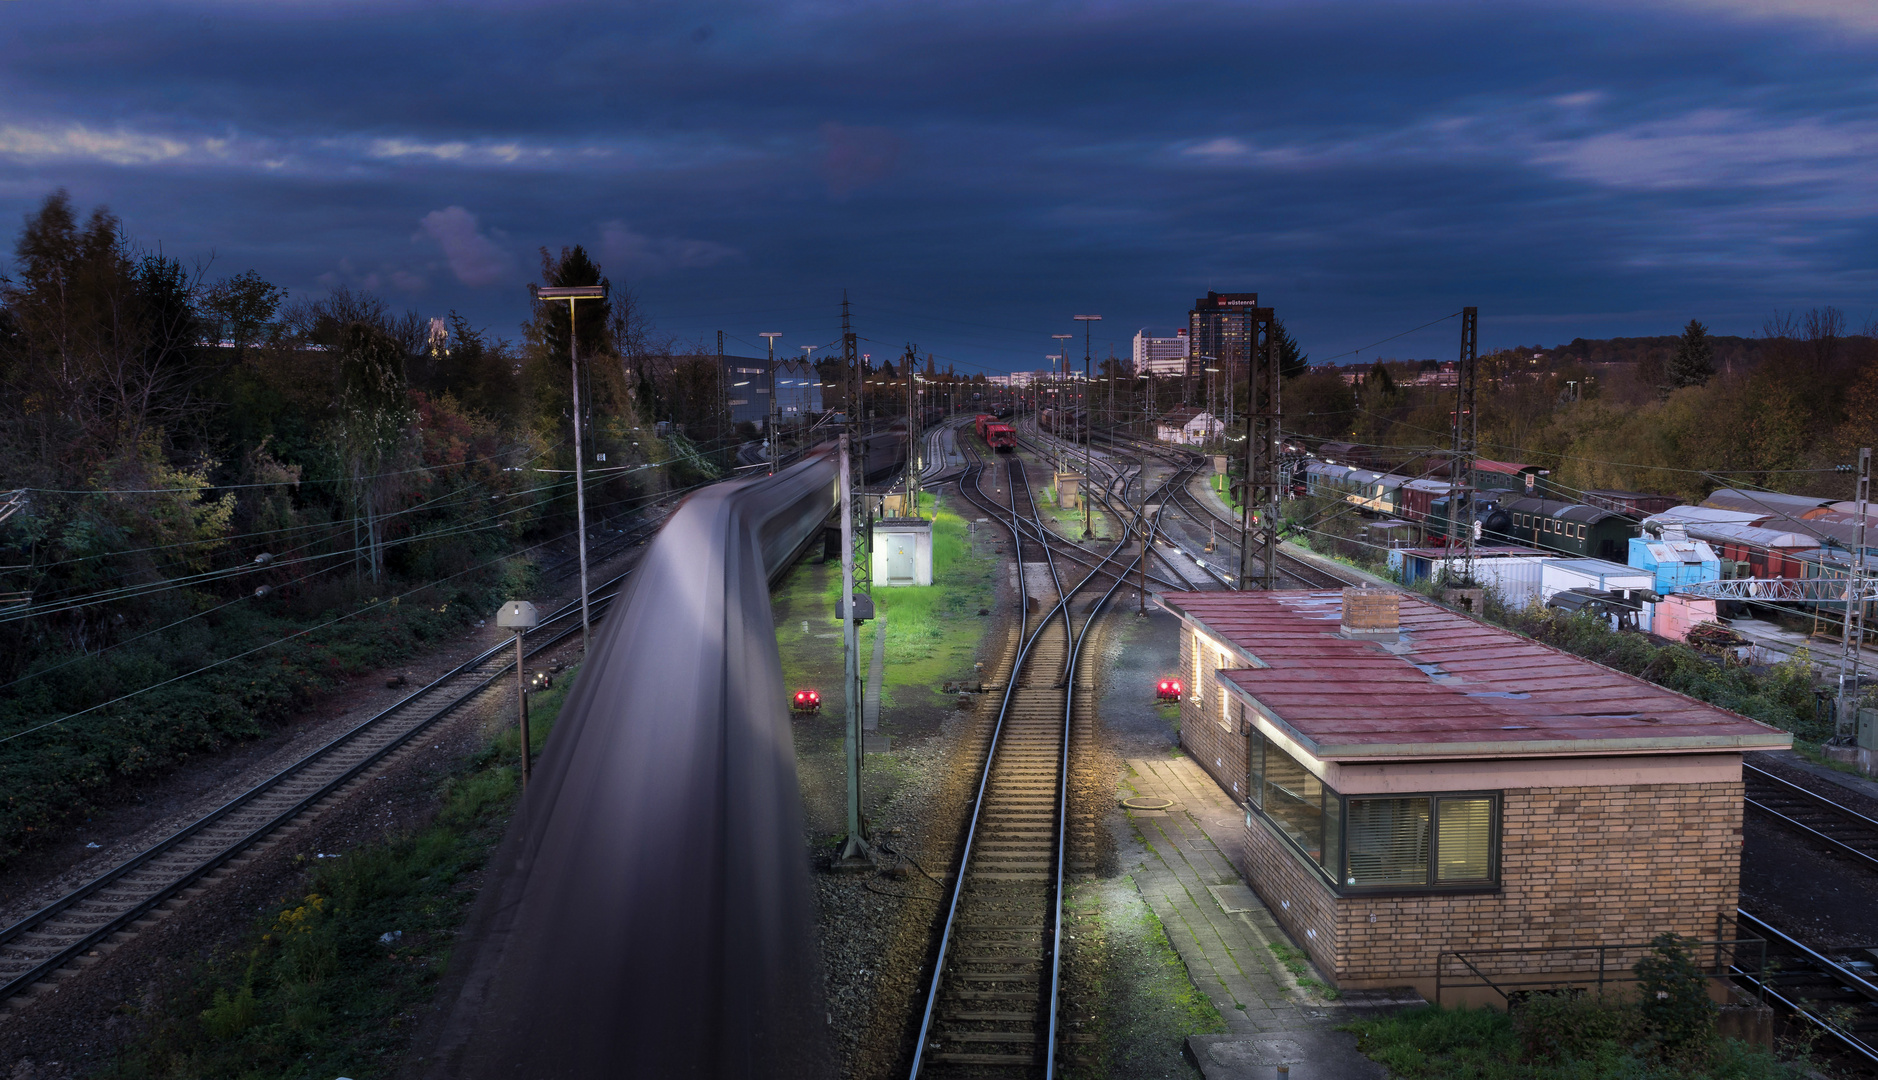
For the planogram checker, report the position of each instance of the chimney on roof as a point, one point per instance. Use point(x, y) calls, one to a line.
point(1371, 614)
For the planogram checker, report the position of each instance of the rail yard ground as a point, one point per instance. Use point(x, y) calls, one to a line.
point(1129, 998)
point(135, 1009)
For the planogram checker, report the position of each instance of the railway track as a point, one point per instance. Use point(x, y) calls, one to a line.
point(61, 937)
point(1840, 828)
point(992, 1006)
point(1821, 991)
point(1834, 990)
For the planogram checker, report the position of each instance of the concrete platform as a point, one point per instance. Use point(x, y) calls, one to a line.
point(1310, 1054)
point(1224, 934)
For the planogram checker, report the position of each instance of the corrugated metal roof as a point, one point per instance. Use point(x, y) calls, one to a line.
point(1703, 513)
point(1765, 502)
point(1562, 511)
point(1452, 687)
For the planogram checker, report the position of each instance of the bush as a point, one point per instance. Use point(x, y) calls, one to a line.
point(1573, 1027)
point(1673, 996)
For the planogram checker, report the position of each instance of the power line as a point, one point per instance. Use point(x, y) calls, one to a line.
point(289, 637)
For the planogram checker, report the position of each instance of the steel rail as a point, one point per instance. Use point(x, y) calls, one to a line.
point(1182, 585)
point(1315, 576)
point(1844, 976)
point(99, 932)
point(1818, 801)
point(1028, 639)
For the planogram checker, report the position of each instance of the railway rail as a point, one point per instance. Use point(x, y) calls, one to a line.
point(1821, 991)
point(72, 928)
point(993, 1002)
point(1840, 828)
point(1223, 530)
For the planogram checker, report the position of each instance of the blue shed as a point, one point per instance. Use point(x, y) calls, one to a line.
point(1674, 562)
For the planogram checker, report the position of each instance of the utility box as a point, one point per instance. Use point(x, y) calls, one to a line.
point(1867, 757)
point(902, 553)
point(1219, 464)
point(1069, 490)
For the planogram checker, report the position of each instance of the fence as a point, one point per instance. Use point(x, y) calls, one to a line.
point(1543, 968)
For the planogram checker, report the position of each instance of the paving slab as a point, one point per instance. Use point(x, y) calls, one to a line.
point(1317, 1053)
point(1224, 934)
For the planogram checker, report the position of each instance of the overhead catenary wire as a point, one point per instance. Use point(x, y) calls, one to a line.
point(371, 606)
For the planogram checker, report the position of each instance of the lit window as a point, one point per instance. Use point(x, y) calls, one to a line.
point(1360, 843)
point(1464, 839)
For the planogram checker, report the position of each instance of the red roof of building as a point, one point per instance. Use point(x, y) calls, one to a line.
point(1451, 686)
point(1511, 468)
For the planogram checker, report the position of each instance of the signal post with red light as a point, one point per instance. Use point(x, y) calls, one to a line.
point(1167, 690)
point(807, 701)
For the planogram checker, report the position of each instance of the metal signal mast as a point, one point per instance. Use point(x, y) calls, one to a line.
point(1263, 446)
point(1466, 448)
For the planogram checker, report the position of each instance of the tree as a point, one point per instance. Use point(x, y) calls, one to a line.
point(373, 414)
point(1694, 362)
point(1381, 381)
point(1292, 361)
point(238, 308)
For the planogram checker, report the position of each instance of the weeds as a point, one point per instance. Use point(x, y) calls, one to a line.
point(323, 984)
point(1553, 1037)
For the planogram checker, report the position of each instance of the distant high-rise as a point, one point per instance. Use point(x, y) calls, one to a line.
point(1161, 355)
point(1220, 326)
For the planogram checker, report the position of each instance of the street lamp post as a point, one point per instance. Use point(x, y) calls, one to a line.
point(573, 294)
point(1088, 423)
point(770, 413)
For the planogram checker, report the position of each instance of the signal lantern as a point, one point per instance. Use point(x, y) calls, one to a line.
point(807, 701)
point(1168, 690)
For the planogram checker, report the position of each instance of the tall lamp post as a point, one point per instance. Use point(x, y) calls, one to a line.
point(1088, 421)
point(770, 413)
point(573, 294)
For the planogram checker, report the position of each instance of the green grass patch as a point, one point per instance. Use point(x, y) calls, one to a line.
point(323, 984)
point(1144, 1001)
point(1299, 965)
point(933, 630)
point(1553, 1039)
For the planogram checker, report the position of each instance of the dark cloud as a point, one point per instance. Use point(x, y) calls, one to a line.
point(975, 173)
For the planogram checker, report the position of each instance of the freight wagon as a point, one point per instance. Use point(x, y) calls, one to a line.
point(1590, 532)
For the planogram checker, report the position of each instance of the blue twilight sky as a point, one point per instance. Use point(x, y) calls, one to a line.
point(976, 173)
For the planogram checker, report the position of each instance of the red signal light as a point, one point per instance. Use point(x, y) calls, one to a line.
point(808, 701)
point(1168, 690)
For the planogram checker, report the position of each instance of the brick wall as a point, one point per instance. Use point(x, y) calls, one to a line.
point(1297, 897)
point(1221, 752)
point(1577, 865)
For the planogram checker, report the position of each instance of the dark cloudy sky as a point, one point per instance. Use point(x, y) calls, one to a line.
point(975, 173)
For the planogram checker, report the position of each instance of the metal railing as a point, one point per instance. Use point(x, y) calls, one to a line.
point(1573, 967)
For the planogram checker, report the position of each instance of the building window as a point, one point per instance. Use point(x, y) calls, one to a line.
point(1362, 843)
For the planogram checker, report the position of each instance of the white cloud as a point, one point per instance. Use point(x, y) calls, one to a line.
point(474, 258)
point(628, 249)
point(76, 142)
point(1716, 148)
point(1854, 15)
point(462, 153)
